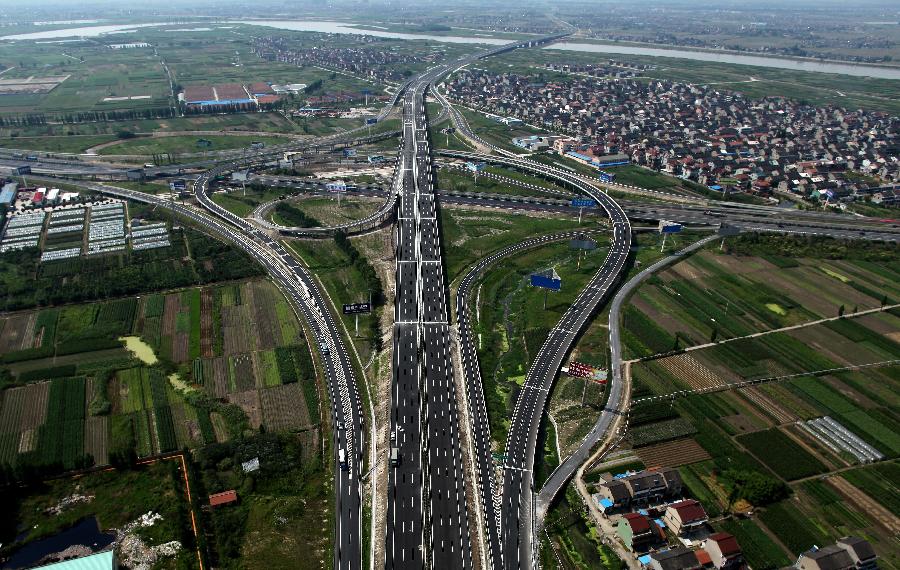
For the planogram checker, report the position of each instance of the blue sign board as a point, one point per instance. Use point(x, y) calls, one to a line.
point(671, 228)
point(583, 203)
point(605, 177)
point(546, 282)
point(372, 120)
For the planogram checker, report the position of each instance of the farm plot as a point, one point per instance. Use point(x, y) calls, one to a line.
point(672, 453)
point(216, 376)
point(249, 401)
point(733, 295)
point(17, 333)
point(284, 408)
point(96, 439)
point(242, 374)
point(206, 323)
point(686, 368)
point(660, 432)
point(234, 329)
point(781, 454)
point(265, 318)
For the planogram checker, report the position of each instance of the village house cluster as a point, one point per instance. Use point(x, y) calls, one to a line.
point(711, 136)
point(663, 530)
point(380, 63)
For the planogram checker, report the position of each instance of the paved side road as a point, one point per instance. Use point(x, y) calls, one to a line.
point(566, 469)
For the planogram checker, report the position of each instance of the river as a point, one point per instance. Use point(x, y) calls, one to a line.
point(345, 28)
point(738, 59)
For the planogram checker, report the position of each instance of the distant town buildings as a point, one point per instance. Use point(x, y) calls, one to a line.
point(700, 133)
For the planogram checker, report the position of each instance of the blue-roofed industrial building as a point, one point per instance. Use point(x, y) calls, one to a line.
point(100, 561)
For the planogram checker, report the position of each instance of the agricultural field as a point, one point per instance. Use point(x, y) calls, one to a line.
point(202, 365)
point(754, 438)
point(719, 296)
point(100, 79)
point(267, 122)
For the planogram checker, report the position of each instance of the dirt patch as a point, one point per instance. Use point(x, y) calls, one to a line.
point(249, 402)
point(206, 323)
point(867, 504)
point(234, 332)
point(740, 423)
point(850, 393)
point(36, 398)
point(11, 412)
point(686, 271)
point(265, 320)
point(96, 439)
point(215, 376)
point(284, 408)
point(14, 333)
point(672, 453)
point(170, 315)
point(181, 347)
point(244, 378)
point(690, 371)
point(769, 406)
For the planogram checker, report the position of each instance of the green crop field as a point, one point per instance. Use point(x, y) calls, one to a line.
point(782, 454)
point(759, 550)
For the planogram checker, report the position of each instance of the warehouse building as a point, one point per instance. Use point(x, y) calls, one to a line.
point(8, 194)
point(100, 561)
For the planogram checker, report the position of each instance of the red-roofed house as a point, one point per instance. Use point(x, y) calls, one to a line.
point(223, 498)
point(638, 531)
point(684, 516)
point(724, 551)
point(703, 558)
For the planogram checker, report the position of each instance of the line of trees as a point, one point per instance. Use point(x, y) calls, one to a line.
point(36, 119)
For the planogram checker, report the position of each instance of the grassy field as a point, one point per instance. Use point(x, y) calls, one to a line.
point(187, 144)
point(494, 132)
point(69, 144)
point(327, 212)
point(513, 322)
point(470, 235)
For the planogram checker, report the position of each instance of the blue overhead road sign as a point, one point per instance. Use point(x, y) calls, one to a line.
point(546, 282)
point(583, 203)
point(669, 228)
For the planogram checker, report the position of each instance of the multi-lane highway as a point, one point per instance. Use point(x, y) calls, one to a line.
point(618, 393)
point(428, 524)
point(517, 512)
point(427, 515)
point(476, 407)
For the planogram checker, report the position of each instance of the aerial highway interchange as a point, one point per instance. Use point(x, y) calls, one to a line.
point(429, 496)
